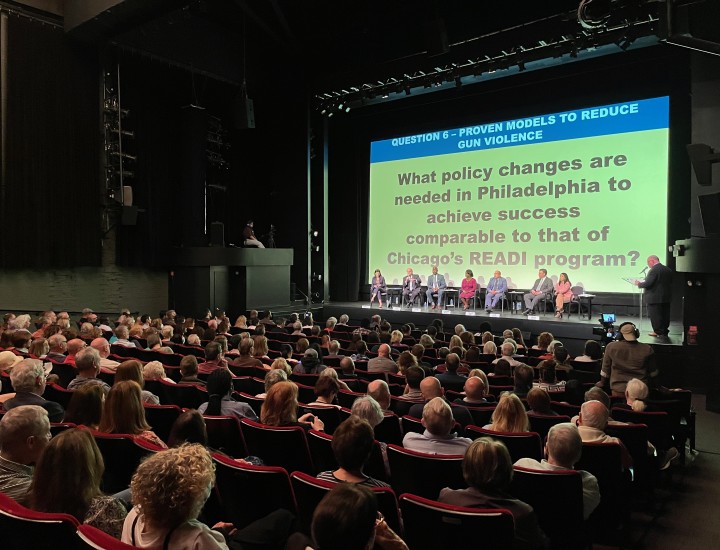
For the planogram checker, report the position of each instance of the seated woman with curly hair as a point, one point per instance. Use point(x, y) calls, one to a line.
point(67, 480)
point(124, 413)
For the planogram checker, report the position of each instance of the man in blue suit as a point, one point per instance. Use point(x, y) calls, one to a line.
point(496, 288)
point(435, 284)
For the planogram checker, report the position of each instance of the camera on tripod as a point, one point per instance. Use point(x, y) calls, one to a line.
point(607, 331)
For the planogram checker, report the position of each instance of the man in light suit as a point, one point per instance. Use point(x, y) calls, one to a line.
point(658, 290)
point(543, 286)
point(496, 288)
point(411, 286)
point(435, 284)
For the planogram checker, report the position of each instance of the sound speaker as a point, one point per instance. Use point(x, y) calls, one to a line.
point(217, 234)
point(244, 112)
point(128, 215)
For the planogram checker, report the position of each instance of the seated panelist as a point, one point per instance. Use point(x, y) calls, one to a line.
point(435, 285)
point(411, 286)
point(496, 288)
point(378, 287)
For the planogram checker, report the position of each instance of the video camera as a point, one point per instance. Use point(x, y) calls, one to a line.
point(607, 331)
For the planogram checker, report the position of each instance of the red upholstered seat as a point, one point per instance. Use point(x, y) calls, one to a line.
point(22, 528)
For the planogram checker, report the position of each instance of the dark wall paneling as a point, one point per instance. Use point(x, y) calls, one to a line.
point(51, 214)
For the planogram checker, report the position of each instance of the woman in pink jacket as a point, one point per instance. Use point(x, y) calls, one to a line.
point(563, 294)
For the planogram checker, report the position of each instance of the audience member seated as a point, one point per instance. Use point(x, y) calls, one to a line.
point(189, 370)
point(310, 364)
point(183, 476)
point(347, 519)
point(189, 427)
point(383, 362)
point(406, 360)
point(214, 359)
point(220, 401)
point(28, 380)
point(509, 415)
point(58, 347)
point(486, 384)
point(636, 392)
point(431, 388)
point(507, 351)
point(591, 424)
point(132, 370)
point(593, 352)
point(563, 450)
point(502, 368)
point(74, 346)
point(332, 373)
point(438, 421)
point(548, 377)
point(86, 406)
point(347, 369)
point(124, 413)
point(474, 389)
point(543, 341)
point(67, 480)
point(360, 351)
point(122, 333)
point(489, 348)
point(326, 390)
point(280, 409)
point(562, 358)
point(87, 363)
point(523, 377)
point(413, 377)
point(519, 340)
point(352, 443)
point(272, 378)
point(380, 391)
point(488, 471)
point(450, 379)
point(103, 348)
point(154, 370)
point(539, 403)
point(24, 435)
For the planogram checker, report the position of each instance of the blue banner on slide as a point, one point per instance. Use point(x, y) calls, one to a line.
point(618, 118)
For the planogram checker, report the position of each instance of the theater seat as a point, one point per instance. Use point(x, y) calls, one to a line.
point(23, 529)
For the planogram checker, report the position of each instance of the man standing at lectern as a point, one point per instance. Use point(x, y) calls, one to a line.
point(436, 284)
point(658, 291)
point(411, 286)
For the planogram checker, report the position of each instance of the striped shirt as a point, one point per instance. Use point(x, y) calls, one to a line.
point(15, 479)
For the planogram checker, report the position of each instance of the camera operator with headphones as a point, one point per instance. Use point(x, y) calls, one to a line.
point(625, 359)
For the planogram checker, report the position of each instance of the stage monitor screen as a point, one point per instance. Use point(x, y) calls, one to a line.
point(582, 192)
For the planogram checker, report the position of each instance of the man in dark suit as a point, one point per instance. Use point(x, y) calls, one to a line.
point(542, 287)
point(658, 291)
point(411, 286)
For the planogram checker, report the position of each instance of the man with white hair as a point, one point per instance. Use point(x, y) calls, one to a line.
point(437, 419)
point(28, 380)
point(24, 434)
point(122, 333)
point(592, 422)
point(58, 346)
point(459, 329)
point(103, 348)
point(507, 350)
point(88, 367)
point(563, 450)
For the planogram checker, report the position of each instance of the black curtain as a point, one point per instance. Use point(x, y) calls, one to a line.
point(51, 206)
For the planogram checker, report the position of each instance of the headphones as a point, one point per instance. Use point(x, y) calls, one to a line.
point(636, 332)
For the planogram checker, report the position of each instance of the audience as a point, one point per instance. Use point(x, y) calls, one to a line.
point(326, 390)
point(28, 380)
point(310, 364)
point(523, 377)
point(509, 415)
point(124, 413)
point(88, 367)
point(413, 377)
point(539, 403)
point(220, 401)
point(563, 450)
point(214, 359)
point(383, 362)
point(24, 435)
point(86, 406)
point(271, 378)
point(592, 422)
point(67, 480)
point(280, 409)
point(189, 370)
point(488, 471)
point(380, 392)
point(132, 370)
point(352, 443)
point(438, 421)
